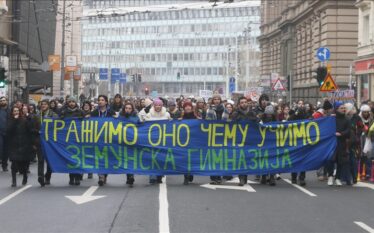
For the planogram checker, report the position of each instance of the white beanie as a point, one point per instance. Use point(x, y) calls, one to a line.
point(365, 108)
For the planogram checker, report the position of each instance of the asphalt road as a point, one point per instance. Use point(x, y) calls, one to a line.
point(174, 207)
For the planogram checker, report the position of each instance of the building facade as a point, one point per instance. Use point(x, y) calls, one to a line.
point(364, 66)
point(177, 47)
point(293, 30)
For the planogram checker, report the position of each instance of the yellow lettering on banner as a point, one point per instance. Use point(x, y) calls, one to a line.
point(230, 134)
point(299, 133)
point(157, 143)
point(216, 134)
point(263, 135)
point(169, 159)
point(316, 127)
point(87, 131)
point(244, 134)
point(180, 127)
point(115, 131)
point(99, 155)
point(217, 158)
point(56, 128)
point(208, 130)
point(118, 156)
point(283, 134)
point(72, 129)
point(135, 139)
point(103, 129)
point(46, 121)
point(74, 156)
point(172, 135)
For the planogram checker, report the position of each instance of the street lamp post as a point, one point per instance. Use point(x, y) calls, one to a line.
point(63, 50)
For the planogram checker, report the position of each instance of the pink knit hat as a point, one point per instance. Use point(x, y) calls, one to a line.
point(158, 102)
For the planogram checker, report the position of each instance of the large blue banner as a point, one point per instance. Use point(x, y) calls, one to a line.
point(98, 145)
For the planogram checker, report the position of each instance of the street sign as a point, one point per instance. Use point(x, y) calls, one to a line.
point(115, 75)
point(278, 86)
point(328, 84)
point(323, 54)
point(71, 63)
point(103, 73)
point(123, 78)
point(54, 62)
point(231, 85)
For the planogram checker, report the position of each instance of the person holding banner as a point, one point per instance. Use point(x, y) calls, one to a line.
point(187, 114)
point(72, 111)
point(87, 109)
point(243, 112)
point(45, 112)
point(157, 112)
point(129, 113)
point(267, 117)
point(103, 111)
point(214, 112)
point(174, 112)
point(19, 141)
point(341, 158)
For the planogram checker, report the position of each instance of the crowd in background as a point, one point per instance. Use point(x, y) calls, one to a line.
point(20, 128)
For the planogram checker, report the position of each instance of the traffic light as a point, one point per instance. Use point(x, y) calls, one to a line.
point(178, 75)
point(140, 78)
point(133, 78)
point(321, 74)
point(2, 77)
point(146, 91)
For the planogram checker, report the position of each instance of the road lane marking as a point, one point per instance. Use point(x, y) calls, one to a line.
point(247, 188)
point(10, 196)
point(364, 184)
point(365, 227)
point(86, 196)
point(163, 214)
point(300, 188)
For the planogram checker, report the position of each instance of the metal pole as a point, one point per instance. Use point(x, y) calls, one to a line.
point(290, 84)
point(227, 73)
point(63, 50)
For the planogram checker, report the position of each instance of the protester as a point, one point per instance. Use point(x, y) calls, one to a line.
point(19, 142)
point(103, 111)
point(341, 157)
point(129, 113)
point(4, 115)
point(157, 112)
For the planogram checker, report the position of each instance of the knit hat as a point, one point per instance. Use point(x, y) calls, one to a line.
point(118, 96)
point(269, 110)
point(327, 105)
point(217, 96)
point(187, 103)
point(337, 104)
point(158, 102)
point(349, 107)
point(365, 108)
point(72, 99)
point(200, 100)
point(147, 102)
point(172, 103)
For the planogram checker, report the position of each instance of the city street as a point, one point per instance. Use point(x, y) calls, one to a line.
point(174, 207)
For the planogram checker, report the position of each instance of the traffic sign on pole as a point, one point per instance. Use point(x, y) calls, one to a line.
point(323, 54)
point(278, 86)
point(329, 84)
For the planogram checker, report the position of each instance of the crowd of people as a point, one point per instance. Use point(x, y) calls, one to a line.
point(20, 131)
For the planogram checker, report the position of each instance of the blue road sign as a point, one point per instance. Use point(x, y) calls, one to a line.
point(103, 74)
point(123, 78)
point(323, 54)
point(115, 75)
point(231, 85)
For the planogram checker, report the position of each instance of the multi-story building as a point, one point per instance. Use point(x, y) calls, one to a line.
point(293, 30)
point(27, 30)
point(70, 28)
point(364, 67)
point(178, 47)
